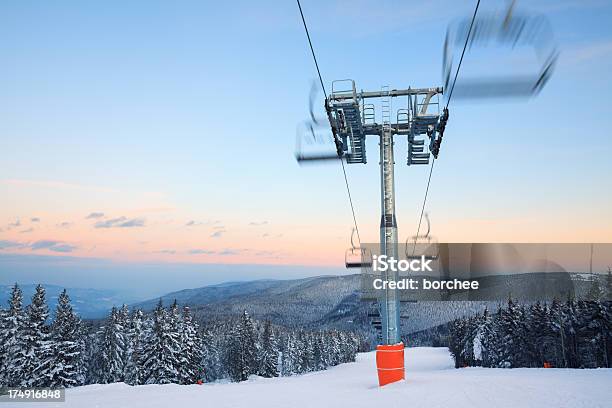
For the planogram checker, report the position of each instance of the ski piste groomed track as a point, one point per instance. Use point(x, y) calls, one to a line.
point(431, 381)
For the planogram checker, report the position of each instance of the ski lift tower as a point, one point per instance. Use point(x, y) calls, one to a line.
point(351, 120)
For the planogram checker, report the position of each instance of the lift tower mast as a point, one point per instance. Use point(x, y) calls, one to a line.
point(351, 120)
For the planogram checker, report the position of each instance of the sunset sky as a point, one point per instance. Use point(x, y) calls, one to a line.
point(162, 133)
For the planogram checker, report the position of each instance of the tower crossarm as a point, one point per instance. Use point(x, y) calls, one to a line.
point(379, 94)
point(351, 119)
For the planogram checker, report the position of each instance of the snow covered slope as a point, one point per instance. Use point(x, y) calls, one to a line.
point(431, 381)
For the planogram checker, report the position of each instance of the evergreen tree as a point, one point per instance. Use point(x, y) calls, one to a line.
point(345, 353)
point(571, 334)
point(593, 335)
point(334, 347)
point(31, 351)
point(541, 338)
point(134, 371)
point(455, 344)
point(296, 354)
point(65, 363)
point(609, 285)
point(243, 350)
point(289, 356)
point(191, 350)
point(558, 322)
point(212, 365)
point(513, 335)
point(319, 352)
point(326, 349)
point(468, 340)
point(596, 292)
point(269, 353)
point(307, 352)
point(112, 345)
point(3, 341)
point(162, 348)
point(489, 340)
point(606, 312)
point(90, 363)
point(355, 346)
point(12, 321)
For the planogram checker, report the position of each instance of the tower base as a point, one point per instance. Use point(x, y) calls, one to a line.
point(390, 363)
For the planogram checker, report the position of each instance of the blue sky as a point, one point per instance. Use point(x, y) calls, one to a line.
point(168, 112)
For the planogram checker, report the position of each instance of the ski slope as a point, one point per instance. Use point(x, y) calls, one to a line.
point(431, 381)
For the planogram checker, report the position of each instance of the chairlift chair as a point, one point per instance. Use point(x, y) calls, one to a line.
point(422, 245)
point(357, 257)
point(322, 145)
point(508, 31)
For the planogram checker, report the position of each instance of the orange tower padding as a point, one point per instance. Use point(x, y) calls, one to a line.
point(390, 363)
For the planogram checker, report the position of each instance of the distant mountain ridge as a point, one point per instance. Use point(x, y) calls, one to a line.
point(208, 294)
point(288, 302)
point(88, 303)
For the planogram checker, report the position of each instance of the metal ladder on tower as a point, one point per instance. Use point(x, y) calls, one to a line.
point(355, 130)
point(386, 108)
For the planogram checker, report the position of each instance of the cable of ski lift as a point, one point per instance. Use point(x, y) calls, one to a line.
point(336, 141)
point(438, 140)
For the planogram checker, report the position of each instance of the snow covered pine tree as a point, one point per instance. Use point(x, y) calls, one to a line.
point(243, 350)
point(29, 366)
point(268, 361)
point(162, 348)
point(65, 354)
point(112, 345)
point(12, 321)
point(135, 336)
point(190, 357)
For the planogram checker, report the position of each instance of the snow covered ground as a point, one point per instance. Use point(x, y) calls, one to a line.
point(431, 381)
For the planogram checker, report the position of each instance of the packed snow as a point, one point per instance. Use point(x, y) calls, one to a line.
point(431, 381)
